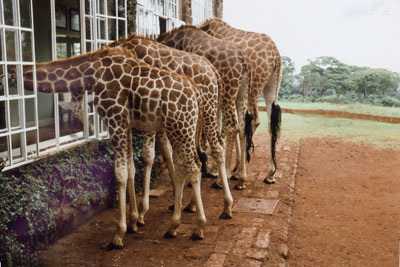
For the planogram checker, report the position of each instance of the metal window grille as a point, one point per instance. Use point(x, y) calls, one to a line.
point(201, 10)
point(150, 12)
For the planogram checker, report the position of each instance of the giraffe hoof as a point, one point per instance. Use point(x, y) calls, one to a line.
point(209, 175)
point(112, 246)
point(168, 235)
point(188, 209)
point(171, 208)
point(225, 216)
point(269, 181)
point(234, 178)
point(216, 186)
point(132, 230)
point(196, 237)
point(140, 224)
point(240, 187)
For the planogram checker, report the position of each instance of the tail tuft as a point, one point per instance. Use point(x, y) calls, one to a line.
point(203, 160)
point(275, 126)
point(248, 132)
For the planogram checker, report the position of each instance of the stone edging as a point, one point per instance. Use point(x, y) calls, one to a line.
point(338, 114)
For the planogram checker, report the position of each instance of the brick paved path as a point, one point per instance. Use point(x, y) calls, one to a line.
point(252, 238)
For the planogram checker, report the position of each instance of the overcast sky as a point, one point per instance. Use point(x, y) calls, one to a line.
point(357, 32)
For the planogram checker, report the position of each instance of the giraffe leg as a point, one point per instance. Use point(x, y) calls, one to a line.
point(148, 158)
point(133, 212)
point(166, 152)
point(178, 181)
point(121, 175)
point(236, 170)
point(218, 155)
point(242, 171)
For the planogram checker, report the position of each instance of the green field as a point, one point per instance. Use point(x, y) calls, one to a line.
point(295, 127)
point(356, 107)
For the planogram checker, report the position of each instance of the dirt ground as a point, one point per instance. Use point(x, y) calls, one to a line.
point(347, 205)
point(338, 205)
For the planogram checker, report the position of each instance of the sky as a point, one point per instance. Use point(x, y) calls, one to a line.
point(356, 32)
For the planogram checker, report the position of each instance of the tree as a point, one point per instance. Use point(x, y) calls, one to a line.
point(288, 86)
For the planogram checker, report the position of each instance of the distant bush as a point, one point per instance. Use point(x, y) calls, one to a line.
point(390, 102)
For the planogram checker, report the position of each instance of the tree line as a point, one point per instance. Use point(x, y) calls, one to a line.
point(326, 78)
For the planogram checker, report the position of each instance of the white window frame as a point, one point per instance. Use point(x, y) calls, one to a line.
point(201, 11)
point(148, 13)
point(39, 149)
point(18, 156)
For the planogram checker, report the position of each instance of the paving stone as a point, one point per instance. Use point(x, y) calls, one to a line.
point(255, 205)
point(247, 234)
point(156, 193)
point(263, 238)
point(198, 252)
point(216, 259)
point(253, 253)
point(224, 246)
point(272, 194)
point(258, 222)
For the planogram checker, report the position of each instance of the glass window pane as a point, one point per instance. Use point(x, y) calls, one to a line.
point(31, 140)
point(25, 13)
point(4, 147)
point(12, 80)
point(1, 45)
point(111, 7)
point(112, 30)
point(88, 26)
point(15, 106)
point(26, 41)
point(121, 8)
point(100, 5)
point(75, 20)
point(2, 81)
point(30, 112)
point(76, 49)
point(11, 42)
point(88, 46)
point(3, 118)
point(121, 28)
point(17, 141)
point(27, 68)
point(88, 7)
point(102, 29)
point(8, 12)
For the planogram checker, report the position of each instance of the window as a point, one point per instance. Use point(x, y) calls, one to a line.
point(201, 10)
point(32, 123)
point(18, 107)
point(156, 16)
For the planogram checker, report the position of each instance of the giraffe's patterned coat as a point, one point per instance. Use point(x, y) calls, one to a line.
point(130, 93)
point(265, 67)
point(206, 77)
point(231, 64)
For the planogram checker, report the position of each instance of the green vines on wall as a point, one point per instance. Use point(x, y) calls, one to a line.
point(43, 199)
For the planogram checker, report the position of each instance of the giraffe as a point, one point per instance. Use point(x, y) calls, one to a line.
point(132, 94)
point(266, 75)
point(232, 66)
point(206, 77)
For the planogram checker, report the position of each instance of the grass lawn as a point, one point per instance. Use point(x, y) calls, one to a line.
point(295, 127)
point(356, 107)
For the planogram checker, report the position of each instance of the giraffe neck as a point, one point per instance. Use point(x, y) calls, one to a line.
point(72, 75)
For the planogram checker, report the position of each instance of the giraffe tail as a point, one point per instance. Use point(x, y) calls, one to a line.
point(248, 129)
point(276, 114)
